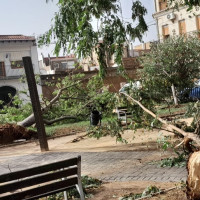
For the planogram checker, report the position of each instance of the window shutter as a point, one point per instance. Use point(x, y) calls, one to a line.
point(165, 30)
point(182, 27)
point(198, 25)
point(2, 69)
point(163, 4)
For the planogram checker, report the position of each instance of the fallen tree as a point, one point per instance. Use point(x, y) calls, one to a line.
point(193, 165)
point(30, 120)
point(170, 126)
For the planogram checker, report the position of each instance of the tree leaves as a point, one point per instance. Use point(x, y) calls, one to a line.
point(175, 61)
point(73, 29)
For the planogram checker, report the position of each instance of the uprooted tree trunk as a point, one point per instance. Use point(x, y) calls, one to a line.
point(193, 165)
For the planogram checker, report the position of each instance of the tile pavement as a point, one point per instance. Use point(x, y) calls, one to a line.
point(107, 166)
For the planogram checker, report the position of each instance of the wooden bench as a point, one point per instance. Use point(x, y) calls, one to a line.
point(42, 181)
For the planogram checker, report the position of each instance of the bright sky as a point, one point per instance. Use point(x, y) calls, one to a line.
point(33, 17)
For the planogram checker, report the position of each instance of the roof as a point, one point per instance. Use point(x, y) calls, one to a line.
point(16, 38)
point(47, 60)
point(63, 58)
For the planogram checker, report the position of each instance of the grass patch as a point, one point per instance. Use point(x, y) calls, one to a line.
point(66, 128)
point(70, 127)
point(166, 110)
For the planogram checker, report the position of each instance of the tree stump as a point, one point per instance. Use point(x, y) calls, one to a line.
point(193, 180)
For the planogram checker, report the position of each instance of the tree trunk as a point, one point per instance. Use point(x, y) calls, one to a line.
point(174, 95)
point(193, 180)
point(29, 121)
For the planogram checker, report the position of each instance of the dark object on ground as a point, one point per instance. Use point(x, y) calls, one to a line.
point(95, 118)
point(42, 181)
point(11, 132)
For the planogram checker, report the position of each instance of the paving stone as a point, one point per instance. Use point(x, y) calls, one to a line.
point(107, 166)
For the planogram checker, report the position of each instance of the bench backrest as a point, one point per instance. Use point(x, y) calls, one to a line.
point(40, 181)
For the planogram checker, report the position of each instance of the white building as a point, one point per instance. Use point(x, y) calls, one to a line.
point(172, 22)
point(12, 49)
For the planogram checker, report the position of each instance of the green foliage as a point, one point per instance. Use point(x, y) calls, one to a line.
point(179, 161)
point(112, 128)
point(149, 191)
point(87, 183)
point(17, 112)
point(140, 118)
point(78, 98)
point(189, 3)
point(73, 30)
point(164, 142)
point(167, 65)
point(194, 111)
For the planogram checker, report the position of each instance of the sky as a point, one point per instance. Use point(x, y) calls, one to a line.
point(34, 17)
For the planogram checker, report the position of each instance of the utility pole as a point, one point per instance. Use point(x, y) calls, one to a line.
point(35, 103)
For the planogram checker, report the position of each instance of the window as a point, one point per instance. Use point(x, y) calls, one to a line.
point(182, 27)
point(198, 25)
point(162, 4)
point(2, 69)
point(17, 64)
point(165, 30)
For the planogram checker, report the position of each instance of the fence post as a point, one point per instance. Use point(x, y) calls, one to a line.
point(35, 103)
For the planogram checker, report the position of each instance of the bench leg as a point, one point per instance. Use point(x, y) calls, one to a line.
point(80, 191)
point(79, 185)
point(65, 195)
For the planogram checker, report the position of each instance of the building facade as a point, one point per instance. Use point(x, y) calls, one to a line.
point(58, 65)
point(12, 49)
point(171, 22)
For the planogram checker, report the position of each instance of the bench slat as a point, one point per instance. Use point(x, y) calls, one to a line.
point(38, 170)
point(38, 180)
point(42, 191)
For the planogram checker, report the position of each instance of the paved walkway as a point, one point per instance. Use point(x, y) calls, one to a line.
point(107, 166)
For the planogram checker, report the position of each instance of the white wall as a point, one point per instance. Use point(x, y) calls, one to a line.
point(15, 83)
point(190, 20)
point(15, 51)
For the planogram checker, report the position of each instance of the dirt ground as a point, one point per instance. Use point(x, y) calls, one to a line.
point(115, 190)
point(142, 140)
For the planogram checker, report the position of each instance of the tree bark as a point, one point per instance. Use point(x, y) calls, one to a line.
point(193, 180)
point(174, 95)
point(49, 122)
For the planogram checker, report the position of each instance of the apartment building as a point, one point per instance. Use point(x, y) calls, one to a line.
point(171, 22)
